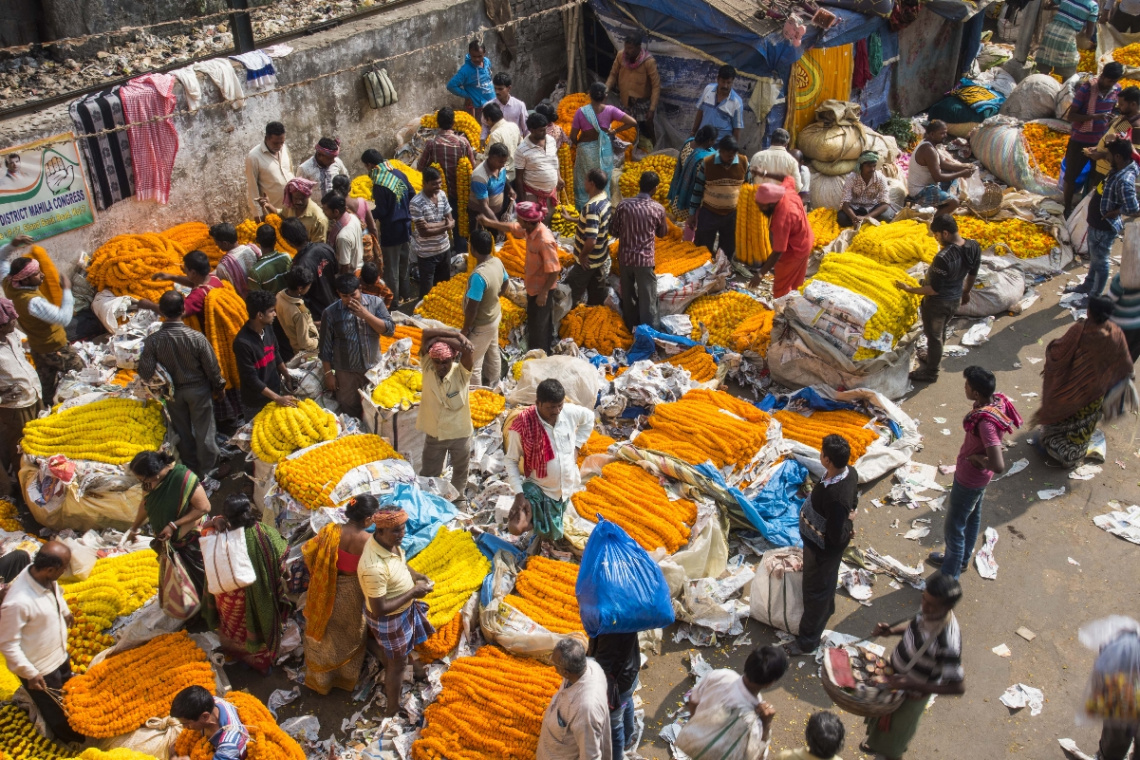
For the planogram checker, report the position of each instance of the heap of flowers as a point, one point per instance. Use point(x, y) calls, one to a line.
point(118, 585)
point(465, 125)
point(51, 286)
point(569, 106)
point(901, 244)
point(629, 496)
point(463, 194)
point(673, 256)
point(9, 515)
point(824, 225)
point(361, 187)
point(564, 220)
point(1047, 146)
point(280, 430)
point(485, 407)
point(697, 429)
point(445, 304)
point(111, 430)
point(247, 232)
point(400, 390)
point(21, 740)
point(1025, 239)
point(490, 708)
point(120, 693)
point(1087, 63)
point(224, 314)
point(544, 592)
point(513, 255)
point(266, 739)
point(810, 430)
point(195, 236)
point(9, 683)
point(630, 179)
point(457, 568)
point(596, 327)
point(126, 265)
point(117, 753)
point(85, 640)
point(697, 360)
point(597, 443)
point(753, 334)
point(721, 314)
point(401, 332)
point(123, 377)
point(311, 476)
point(415, 177)
point(753, 231)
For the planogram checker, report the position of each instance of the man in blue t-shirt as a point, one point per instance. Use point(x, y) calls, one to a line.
point(491, 193)
point(720, 106)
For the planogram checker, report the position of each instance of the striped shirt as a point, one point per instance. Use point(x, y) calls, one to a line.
point(718, 185)
point(635, 223)
point(1076, 13)
point(942, 660)
point(594, 223)
point(45, 311)
point(446, 149)
point(186, 355)
point(269, 272)
point(1127, 313)
point(231, 739)
point(1101, 106)
point(431, 211)
point(1120, 194)
point(349, 343)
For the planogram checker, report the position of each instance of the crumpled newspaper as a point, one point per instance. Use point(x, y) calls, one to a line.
point(1019, 695)
point(648, 384)
point(984, 561)
point(1123, 524)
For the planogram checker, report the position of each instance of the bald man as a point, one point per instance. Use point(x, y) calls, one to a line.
point(34, 619)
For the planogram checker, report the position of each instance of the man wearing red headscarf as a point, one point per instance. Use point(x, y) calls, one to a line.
point(20, 400)
point(447, 358)
point(792, 238)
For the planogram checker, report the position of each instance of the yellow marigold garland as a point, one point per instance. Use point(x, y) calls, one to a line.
point(463, 194)
point(445, 304)
point(195, 236)
point(824, 225)
point(224, 315)
point(486, 406)
point(753, 230)
point(415, 177)
point(311, 477)
point(112, 431)
point(126, 264)
point(51, 287)
point(400, 390)
point(544, 592)
point(280, 430)
point(457, 567)
point(754, 333)
point(1129, 55)
point(902, 244)
point(810, 430)
point(721, 313)
point(118, 753)
point(630, 179)
point(123, 377)
point(465, 125)
point(9, 515)
point(124, 690)
point(9, 683)
point(597, 327)
point(696, 429)
point(629, 496)
point(569, 106)
point(266, 739)
point(247, 233)
point(118, 585)
point(673, 256)
point(1087, 62)
point(564, 220)
point(1025, 239)
point(1047, 146)
point(361, 187)
point(20, 740)
point(85, 640)
point(513, 255)
point(566, 163)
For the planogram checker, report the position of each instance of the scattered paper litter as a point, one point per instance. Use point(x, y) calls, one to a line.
point(1034, 359)
point(1029, 395)
point(1074, 562)
point(1001, 650)
point(1050, 493)
point(1086, 472)
point(919, 528)
point(282, 697)
point(937, 505)
point(1123, 524)
point(947, 469)
point(979, 333)
point(1014, 468)
point(955, 351)
point(945, 431)
point(1025, 633)
point(940, 421)
point(985, 562)
point(1019, 696)
point(1071, 747)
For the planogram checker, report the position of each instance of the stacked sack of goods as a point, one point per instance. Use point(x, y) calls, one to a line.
point(834, 142)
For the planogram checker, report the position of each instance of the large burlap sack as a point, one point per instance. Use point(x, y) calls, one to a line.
point(835, 135)
point(155, 738)
point(835, 168)
point(777, 597)
point(1130, 257)
point(826, 191)
point(896, 190)
point(93, 510)
point(1034, 98)
point(998, 289)
point(578, 377)
point(1000, 145)
point(1064, 97)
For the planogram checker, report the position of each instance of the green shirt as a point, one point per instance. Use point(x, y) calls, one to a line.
point(269, 272)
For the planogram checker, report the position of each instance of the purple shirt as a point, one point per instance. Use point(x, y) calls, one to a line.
point(608, 116)
point(985, 434)
point(514, 111)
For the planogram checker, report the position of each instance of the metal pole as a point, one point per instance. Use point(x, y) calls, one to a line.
point(242, 27)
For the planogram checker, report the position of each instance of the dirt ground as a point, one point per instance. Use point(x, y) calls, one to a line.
point(1039, 585)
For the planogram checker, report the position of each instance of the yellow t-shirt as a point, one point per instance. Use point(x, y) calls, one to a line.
point(384, 574)
point(445, 405)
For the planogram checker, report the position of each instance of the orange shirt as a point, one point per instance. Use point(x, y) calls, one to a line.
point(541, 257)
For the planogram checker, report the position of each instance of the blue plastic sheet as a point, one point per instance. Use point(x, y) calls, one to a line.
point(818, 402)
point(644, 346)
point(775, 511)
point(620, 589)
point(426, 513)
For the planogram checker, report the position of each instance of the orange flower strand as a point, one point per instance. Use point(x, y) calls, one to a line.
point(811, 430)
point(266, 739)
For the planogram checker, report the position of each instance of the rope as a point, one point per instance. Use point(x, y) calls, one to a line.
point(464, 38)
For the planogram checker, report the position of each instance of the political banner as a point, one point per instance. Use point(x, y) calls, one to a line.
point(43, 190)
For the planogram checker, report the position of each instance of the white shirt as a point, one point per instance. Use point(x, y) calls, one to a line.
point(350, 242)
point(267, 174)
point(40, 612)
point(725, 688)
point(540, 163)
point(508, 134)
point(314, 172)
point(776, 161)
point(576, 724)
point(19, 383)
point(562, 476)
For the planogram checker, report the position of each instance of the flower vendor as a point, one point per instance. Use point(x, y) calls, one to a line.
point(258, 360)
point(635, 79)
point(928, 660)
point(491, 182)
point(980, 458)
point(1125, 124)
point(712, 205)
point(249, 620)
point(432, 222)
point(20, 400)
point(269, 271)
point(1058, 53)
point(350, 341)
point(823, 736)
point(537, 176)
point(445, 149)
point(695, 150)
point(721, 107)
point(393, 592)
point(1090, 112)
point(216, 719)
point(1108, 210)
point(482, 311)
point(174, 505)
point(319, 258)
point(542, 459)
point(391, 197)
point(42, 321)
point(949, 282)
point(500, 131)
point(188, 358)
point(336, 633)
point(619, 656)
point(826, 528)
point(638, 221)
point(346, 233)
point(445, 406)
point(293, 315)
point(299, 205)
point(591, 268)
point(865, 194)
point(268, 169)
point(324, 165)
point(792, 237)
point(576, 723)
point(932, 176)
point(34, 619)
point(775, 162)
point(197, 276)
point(592, 131)
point(733, 693)
point(238, 259)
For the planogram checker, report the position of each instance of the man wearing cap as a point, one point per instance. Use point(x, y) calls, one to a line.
point(299, 204)
point(445, 406)
point(42, 321)
point(865, 194)
point(324, 164)
point(393, 605)
point(638, 84)
point(792, 238)
point(20, 400)
point(541, 272)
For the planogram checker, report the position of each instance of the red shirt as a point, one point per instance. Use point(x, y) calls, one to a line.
point(541, 256)
point(792, 238)
point(197, 297)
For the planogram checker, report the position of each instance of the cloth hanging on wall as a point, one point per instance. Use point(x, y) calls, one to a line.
point(108, 157)
point(221, 72)
point(259, 71)
point(191, 88)
point(153, 144)
point(821, 74)
point(862, 67)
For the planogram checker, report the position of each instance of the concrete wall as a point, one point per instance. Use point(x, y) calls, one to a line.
point(208, 182)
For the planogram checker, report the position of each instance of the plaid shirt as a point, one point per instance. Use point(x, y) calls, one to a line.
point(348, 342)
point(635, 222)
point(446, 149)
point(865, 194)
point(1120, 193)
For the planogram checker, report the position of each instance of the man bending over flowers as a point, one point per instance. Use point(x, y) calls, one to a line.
point(216, 719)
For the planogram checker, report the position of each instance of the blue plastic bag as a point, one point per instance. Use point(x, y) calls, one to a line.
point(620, 589)
point(426, 514)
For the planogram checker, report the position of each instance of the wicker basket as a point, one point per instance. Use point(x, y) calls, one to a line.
point(990, 204)
point(855, 706)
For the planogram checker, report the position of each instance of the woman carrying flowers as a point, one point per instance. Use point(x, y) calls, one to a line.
point(336, 632)
point(249, 619)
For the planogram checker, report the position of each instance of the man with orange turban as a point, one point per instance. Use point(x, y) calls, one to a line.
point(792, 238)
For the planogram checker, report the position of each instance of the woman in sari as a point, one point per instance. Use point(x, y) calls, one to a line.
point(1081, 367)
point(695, 150)
point(249, 620)
point(174, 505)
point(336, 633)
point(592, 131)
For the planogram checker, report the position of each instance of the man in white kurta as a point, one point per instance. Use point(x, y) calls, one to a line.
point(576, 724)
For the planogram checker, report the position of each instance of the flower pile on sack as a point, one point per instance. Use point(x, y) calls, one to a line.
point(111, 430)
point(120, 693)
point(399, 390)
point(445, 304)
point(21, 740)
point(223, 316)
point(463, 194)
point(597, 327)
point(629, 496)
point(118, 585)
point(1025, 239)
point(697, 429)
point(697, 361)
point(457, 568)
point(465, 124)
point(84, 641)
point(824, 225)
point(721, 314)
point(266, 739)
point(247, 232)
point(311, 476)
point(195, 236)
point(811, 429)
point(900, 244)
point(564, 220)
point(278, 431)
point(51, 286)
point(753, 230)
point(1047, 146)
point(1129, 55)
point(544, 592)
point(490, 708)
point(9, 683)
point(630, 179)
point(753, 334)
point(399, 333)
point(415, 177)
point(126, 265)
point(597, 443)
point(485, 407)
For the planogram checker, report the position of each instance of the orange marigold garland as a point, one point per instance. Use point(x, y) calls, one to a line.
point(544, 592)
point(696, 428)
point(810, 430)
point(126, 264)
point(266, 739)
point(512, 254)
point(754, 333)
point(629, 496)
point(224, 315)
point(51, 286)
point(404, 331)
point(195, 236)
point(597, 327)
point(697, 361)
point(597, 443)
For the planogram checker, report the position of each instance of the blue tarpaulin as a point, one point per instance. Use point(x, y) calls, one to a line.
point(426, 514)
point(775, 511)
point(645, 347)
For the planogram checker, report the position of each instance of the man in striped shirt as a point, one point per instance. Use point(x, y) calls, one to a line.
point(592, 243)
point(715, 193)
point(637, 221)
point(216, 719)
point(350, 341)
point(928, 660)
point(1090, 114)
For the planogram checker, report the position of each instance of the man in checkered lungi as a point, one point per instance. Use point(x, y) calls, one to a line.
point(1058, 52)
point(393, 608)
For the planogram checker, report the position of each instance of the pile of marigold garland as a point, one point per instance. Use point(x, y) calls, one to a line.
point(247, 232)
point(901, 244)
point(311, 477)
point(20, 740)
point(630, 179)
point(224, 314)
point(485, 407)
point(697, 360)
point(597, 443)
point(111, 430)
point(126, 264)
point(753, 233)
point(721, 314)
point(445, 304)
point(465, 125)
point(810, 430)
point(280, 430)
point(697, 429)
point(1047, 146)
point(118, 585)
point(673, 256)
point(1025, 239)
point(400, 390)
point(195, 236)
point(824, 225)
point(629, 496)
point(544, 592)
point(753, 334)
point(457, 568)
point(597, 327)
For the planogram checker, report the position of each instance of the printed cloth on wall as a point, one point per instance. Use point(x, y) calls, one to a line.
point(154, 144)
point(108, 157)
